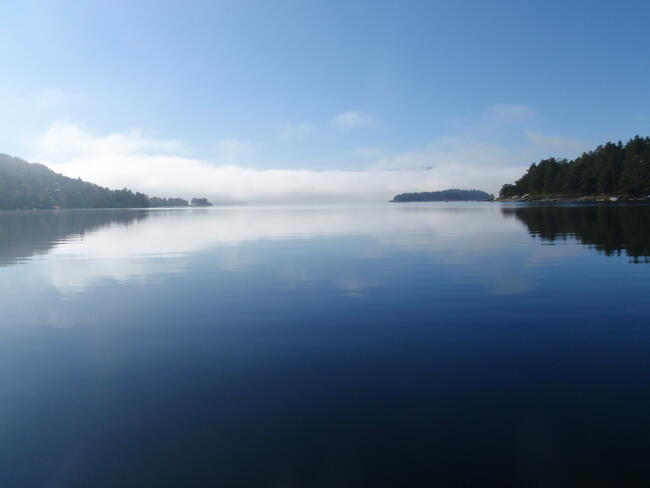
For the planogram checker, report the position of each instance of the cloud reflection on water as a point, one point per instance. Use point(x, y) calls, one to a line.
point(473, 242)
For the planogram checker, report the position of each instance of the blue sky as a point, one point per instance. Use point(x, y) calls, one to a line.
point(320, 86)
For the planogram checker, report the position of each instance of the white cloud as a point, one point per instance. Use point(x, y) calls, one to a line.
point(161, 167)
point(352, 120)
point(290, 130)
point(462, 152)
point(157, 168)
point(485, 165)
point(66, 141)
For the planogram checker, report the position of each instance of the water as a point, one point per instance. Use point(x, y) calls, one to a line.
point(368, 345)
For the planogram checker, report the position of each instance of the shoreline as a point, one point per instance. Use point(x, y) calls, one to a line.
point(574, 198)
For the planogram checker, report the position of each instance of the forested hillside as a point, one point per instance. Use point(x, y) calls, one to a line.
point(612, 169)
point(26, 185)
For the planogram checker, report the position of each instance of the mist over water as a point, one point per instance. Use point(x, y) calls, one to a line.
point(358, 345)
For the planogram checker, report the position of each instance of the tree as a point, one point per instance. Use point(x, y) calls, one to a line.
point(612, 168)
point(201, 202)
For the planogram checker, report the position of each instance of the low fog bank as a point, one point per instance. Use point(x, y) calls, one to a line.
point(160, 167)
point(225, 184)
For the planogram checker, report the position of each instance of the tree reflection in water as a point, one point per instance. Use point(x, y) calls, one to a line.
point(609, 228)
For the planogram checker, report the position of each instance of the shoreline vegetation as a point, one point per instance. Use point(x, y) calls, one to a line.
point(26, 186)
point(610, 173)
point(575, 198)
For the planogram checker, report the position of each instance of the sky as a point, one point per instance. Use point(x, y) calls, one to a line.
point(286, 100)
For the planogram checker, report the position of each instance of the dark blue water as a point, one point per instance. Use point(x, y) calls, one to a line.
point(377, 345)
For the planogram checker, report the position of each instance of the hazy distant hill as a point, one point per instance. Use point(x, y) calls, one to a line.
point(444, 195)
point(26, 185)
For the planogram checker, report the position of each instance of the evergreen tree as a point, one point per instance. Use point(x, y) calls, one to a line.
point(609, 169)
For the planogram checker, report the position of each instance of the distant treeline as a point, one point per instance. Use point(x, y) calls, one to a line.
point(200, 202)
point(167, 202)
point(26, 185)
point(612, 169)
point(444, 195)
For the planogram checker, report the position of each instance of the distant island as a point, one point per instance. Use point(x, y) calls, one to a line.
point(453, 195)
point(610, 172)
point(26, 185)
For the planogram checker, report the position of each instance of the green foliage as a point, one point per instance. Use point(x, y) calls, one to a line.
point(609, 169)
point(444, 195)
point(25, 185)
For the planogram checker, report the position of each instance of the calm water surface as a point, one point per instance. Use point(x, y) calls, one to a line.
point(332, 346)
